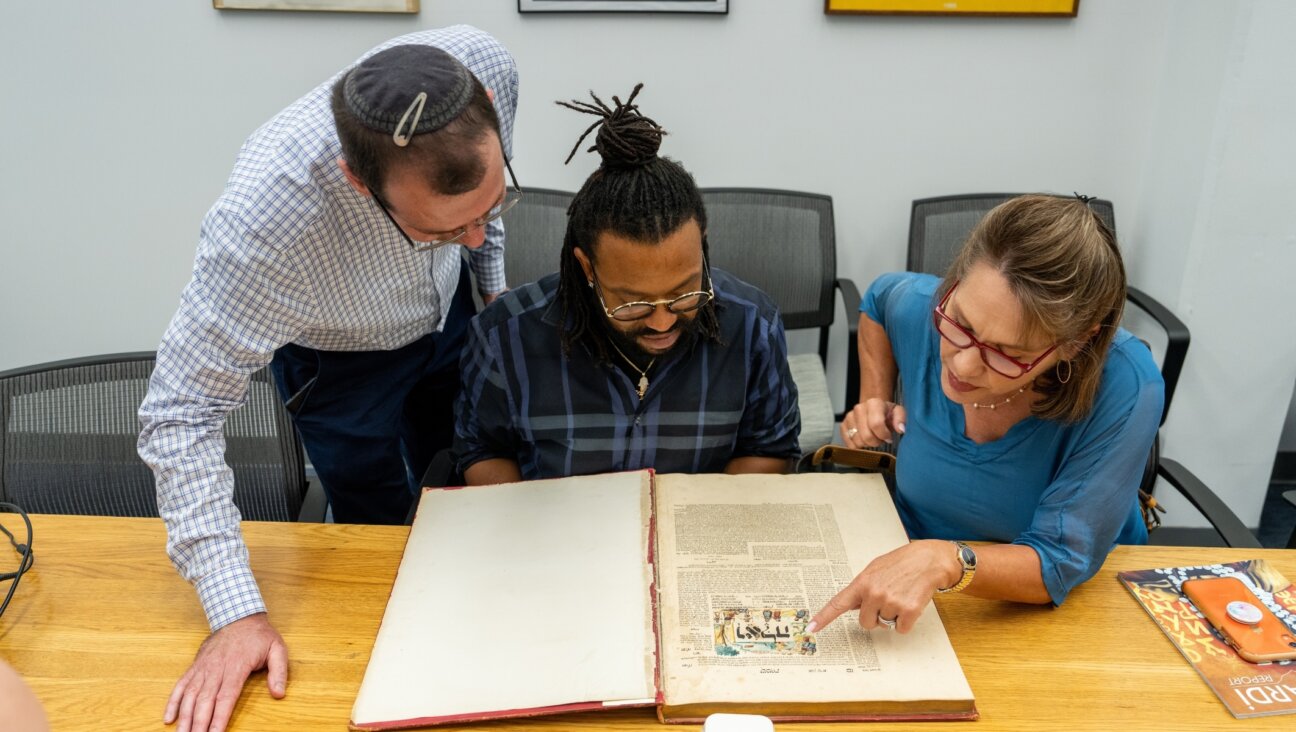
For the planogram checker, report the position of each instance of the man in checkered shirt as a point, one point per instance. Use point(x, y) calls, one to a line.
point(330, 257)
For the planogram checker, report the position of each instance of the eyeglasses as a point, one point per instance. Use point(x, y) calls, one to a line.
point(958, 336)
point(510, 199)
point(640, 309)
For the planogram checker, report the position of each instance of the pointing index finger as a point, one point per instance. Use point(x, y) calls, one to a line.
point(840, 603)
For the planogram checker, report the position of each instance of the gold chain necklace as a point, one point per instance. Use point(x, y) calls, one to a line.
point(643, 373)
point(975, 405)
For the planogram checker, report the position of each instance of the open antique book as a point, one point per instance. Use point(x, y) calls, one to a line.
point(687, 592)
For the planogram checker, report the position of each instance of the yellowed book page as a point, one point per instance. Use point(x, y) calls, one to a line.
point(744, 563)
point(517, 596)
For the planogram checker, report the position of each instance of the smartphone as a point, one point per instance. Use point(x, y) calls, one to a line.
point(1251, 628)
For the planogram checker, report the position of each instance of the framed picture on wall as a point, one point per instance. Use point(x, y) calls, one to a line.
point(623, 6)
point(1035, 8)
point(343, 6)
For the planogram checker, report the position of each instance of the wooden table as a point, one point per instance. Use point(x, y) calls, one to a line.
point(102, 627)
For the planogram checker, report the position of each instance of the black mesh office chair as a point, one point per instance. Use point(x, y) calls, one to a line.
point(68, 431)
point(534, 230)
point(785, 243)
point(937, 229)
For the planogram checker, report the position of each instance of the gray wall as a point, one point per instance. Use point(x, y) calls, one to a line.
point(1217, 241)
point(122, 119)
point(1287, 442)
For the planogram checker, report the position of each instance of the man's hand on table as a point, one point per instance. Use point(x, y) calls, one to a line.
point(204, 698)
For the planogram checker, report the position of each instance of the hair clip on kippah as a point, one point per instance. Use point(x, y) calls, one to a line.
point(1083, 198)
point(412, 116)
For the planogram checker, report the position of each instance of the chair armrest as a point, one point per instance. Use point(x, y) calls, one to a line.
point(1176, 340)
point(866, 460)
point(851, 298)
point(440, 473)
point(1229, 526)
point(1291, 498)
point(314, 507)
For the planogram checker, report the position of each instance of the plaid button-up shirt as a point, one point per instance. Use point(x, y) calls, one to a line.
point(290, 253)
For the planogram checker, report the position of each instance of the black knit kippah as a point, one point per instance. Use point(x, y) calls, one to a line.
point(383, 89)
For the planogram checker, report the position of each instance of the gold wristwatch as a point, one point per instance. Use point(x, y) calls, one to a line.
point(967, 558)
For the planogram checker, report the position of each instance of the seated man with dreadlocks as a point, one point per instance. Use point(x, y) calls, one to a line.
point(636, 354)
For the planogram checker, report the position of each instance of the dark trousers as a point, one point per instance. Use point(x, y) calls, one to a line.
point(372, 420)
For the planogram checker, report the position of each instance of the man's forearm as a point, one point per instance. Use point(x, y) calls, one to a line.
point(490, 472)
point(757, 464)
point(195, 499)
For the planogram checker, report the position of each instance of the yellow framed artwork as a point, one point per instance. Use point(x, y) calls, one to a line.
point(1034, 8)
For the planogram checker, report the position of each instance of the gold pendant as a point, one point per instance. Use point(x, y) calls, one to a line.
point(643, 385)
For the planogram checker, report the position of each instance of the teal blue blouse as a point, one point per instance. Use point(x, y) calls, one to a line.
point(1067, 490)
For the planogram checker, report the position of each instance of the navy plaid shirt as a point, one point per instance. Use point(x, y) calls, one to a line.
point(562, 414)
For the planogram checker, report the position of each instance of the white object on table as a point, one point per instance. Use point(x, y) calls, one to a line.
point(738, 723)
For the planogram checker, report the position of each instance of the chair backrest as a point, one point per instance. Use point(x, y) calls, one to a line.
point(939, 226)
point(783, 242)
point(534, 231)
point(68, 432)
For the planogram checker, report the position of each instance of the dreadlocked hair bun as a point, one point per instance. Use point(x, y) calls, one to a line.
point(626, 138)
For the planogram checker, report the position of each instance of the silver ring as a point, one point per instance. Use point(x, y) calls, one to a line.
point(889, 623)
point(852, 432)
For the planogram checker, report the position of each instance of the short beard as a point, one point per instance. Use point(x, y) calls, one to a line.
point(626, 342)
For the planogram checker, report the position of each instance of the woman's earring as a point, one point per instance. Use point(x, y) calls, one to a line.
point(1059, 372)
point(591, 283)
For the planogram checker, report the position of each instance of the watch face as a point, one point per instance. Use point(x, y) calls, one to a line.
point(967, 556)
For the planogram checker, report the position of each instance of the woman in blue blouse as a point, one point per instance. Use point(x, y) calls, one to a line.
point(1027, 414)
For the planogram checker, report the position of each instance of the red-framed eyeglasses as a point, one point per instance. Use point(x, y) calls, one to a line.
point(959, 337)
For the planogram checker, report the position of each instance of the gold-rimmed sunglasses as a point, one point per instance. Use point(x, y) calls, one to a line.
point(640, 309)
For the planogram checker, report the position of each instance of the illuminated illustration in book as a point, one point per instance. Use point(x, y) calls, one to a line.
point(747, 631)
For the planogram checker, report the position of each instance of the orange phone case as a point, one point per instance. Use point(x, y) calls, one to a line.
point(1268, 640)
